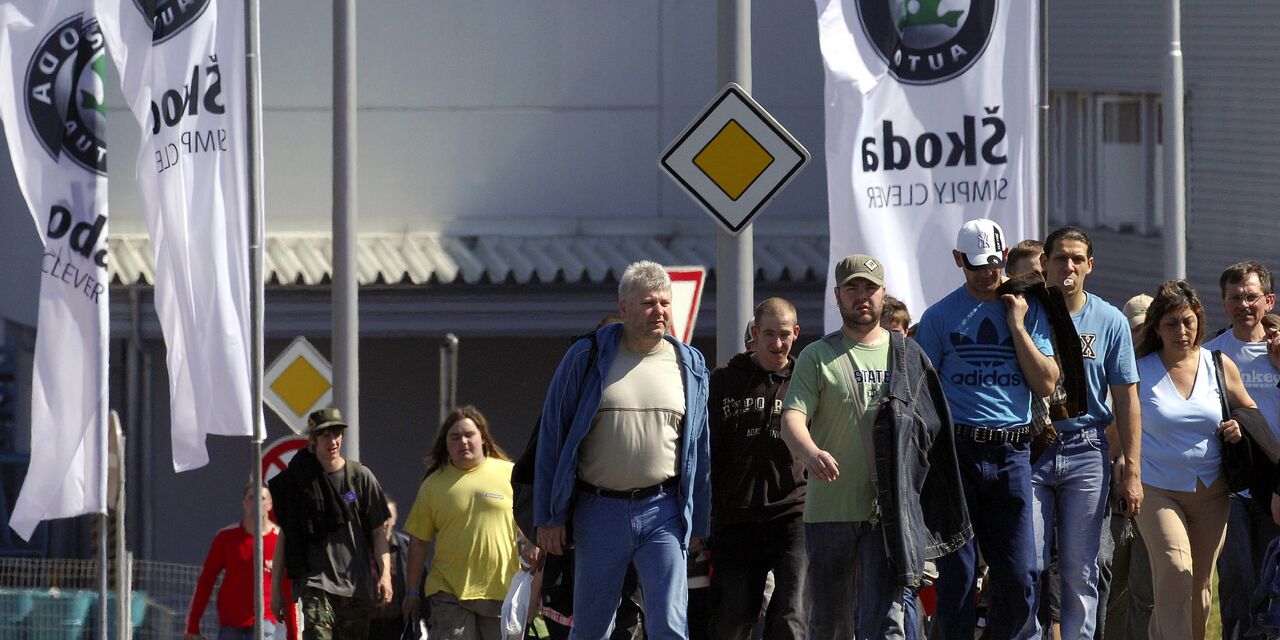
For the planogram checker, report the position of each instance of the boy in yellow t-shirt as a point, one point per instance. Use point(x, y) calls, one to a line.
point(464, 506)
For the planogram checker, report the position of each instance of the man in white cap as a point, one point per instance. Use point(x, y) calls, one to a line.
point(993, 353)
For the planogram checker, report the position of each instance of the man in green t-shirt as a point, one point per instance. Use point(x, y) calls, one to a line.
point(826, 422)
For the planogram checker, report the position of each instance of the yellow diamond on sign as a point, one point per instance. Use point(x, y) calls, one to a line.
point(733, 159)
point(300, 385)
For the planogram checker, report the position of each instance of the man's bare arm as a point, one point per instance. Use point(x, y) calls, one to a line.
point(795, 433)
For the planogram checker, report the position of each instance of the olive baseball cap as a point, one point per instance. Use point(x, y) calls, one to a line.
point(859, 266)
point(327, 418)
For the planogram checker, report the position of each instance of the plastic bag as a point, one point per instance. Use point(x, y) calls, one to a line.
point(515, 608)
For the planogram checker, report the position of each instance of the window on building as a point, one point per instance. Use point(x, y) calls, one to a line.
point(1105, 161)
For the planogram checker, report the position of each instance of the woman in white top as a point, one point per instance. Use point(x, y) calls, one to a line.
point(1184, 514)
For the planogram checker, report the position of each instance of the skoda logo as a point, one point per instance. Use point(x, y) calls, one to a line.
point(928, 41)
point(170, 16)
point(65, 93)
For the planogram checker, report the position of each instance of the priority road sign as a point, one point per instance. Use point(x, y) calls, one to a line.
point(297, 383)
point(734, 158)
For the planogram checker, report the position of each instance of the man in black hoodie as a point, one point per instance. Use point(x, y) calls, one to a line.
point(757, 487)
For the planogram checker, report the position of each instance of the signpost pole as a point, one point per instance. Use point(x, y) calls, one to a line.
point(346, 321)
point(1175, 195)
point(735, 266)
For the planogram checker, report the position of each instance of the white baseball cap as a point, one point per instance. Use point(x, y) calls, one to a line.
point(981, 241)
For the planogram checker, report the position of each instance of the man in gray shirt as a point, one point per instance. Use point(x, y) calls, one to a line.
point(334, 519)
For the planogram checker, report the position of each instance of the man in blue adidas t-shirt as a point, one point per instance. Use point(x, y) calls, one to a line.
point(1070, 480)
point(992, 352)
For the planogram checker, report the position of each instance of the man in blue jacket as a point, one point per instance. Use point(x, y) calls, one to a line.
point(622, 461)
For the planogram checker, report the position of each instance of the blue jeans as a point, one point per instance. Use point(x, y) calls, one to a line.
point(1249, 531)
point(246, 633)
point(1070, 484)
point(852, 592)
point(997, 487)
point(611, 533)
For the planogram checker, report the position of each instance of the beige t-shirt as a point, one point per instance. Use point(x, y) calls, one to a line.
point(634, 440)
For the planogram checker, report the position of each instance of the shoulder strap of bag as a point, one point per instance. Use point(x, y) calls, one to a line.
point(1222, 385)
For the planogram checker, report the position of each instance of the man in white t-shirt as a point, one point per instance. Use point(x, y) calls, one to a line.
point(1247, 296)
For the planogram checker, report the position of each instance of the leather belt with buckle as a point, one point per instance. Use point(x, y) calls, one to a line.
point(983, 435)
point(630, 494)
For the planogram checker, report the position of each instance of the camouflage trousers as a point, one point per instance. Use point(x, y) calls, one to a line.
point(330, 617)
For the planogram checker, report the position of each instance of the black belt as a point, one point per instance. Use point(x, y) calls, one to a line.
point(983, 435)
point(630, 494)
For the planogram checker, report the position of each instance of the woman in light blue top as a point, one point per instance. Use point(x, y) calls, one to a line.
point(1184, 514)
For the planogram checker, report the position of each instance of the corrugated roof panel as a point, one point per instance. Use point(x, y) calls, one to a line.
point(444, 267)
point(538, 252)
point(468, 263)
point(367, 271)
point(306, 259)
point(314, 257)
point(766, 261)
point(130, 260)
point(597, 265)
point(521, 266)
point(391, 264)
point(562, 251)
point(279, 262)
point(418, 266)
point(493, 258)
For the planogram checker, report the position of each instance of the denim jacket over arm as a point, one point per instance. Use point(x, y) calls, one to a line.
point(923, 511)
point(564, 426)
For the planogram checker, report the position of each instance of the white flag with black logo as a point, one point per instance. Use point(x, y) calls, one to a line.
point(51, 102)
point(930, 121)
point(182, 70)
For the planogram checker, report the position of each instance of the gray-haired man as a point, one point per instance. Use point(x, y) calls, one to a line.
point(623, 449)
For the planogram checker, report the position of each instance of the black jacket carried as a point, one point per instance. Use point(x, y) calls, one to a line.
point(1066, 340)
point(922, 508)
point(754, 477)
point(308, 507)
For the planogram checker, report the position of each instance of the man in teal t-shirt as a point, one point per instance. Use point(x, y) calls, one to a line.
point(826, 422)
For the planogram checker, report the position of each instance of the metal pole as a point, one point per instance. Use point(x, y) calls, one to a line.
point(346, 323)
point(146, 478)
point(253, 91)
point(1044, 119)
point(124, 619)
point(103, 521)
point(735, 266)
point(448, 375)
point(1175, 174)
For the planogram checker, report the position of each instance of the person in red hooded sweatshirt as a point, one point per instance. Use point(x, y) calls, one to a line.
point(232, 553)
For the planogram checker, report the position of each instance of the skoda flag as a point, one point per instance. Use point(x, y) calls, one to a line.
point(930, 121)
point(182, 71)
point(51, 101)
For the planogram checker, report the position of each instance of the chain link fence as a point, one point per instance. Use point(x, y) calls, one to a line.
point(50, 599)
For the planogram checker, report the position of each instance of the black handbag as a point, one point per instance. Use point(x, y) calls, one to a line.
point(1237, 458)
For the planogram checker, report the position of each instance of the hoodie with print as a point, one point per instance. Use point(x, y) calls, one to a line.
point(754, 477)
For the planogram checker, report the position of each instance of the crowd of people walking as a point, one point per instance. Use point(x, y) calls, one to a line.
point(1026, 461)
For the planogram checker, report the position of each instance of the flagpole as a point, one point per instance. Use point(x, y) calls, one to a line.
point(254, 99)
point(1045, 107)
